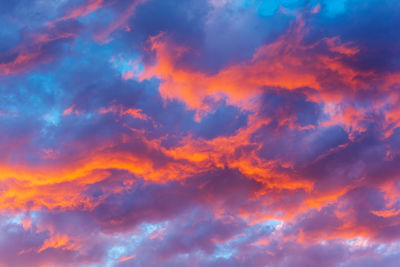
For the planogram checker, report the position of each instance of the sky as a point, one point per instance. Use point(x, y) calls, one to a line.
point(199, 133)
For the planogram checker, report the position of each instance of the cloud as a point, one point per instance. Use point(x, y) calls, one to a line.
point(201, 133)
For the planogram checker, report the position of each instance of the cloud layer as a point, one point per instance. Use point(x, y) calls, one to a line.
point(199, 133)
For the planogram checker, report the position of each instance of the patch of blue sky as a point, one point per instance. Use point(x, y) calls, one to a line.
point(114, 254)
point(53, 117)
point(381, 249)
point(45, 83)
point(126, 245)
point(274, 223)
point(101, 15)
point(389, 249)
point(17, 219)
point(224, 251)
point(85, 49)
point(149, 228)
point(127, 63)
point(335, 7)
point(268, 8)
point(228, 249)
point(265, 226)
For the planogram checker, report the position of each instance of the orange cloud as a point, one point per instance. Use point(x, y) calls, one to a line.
point(59, 241)
point(133, 112)
point(84, 10)
point(285, 63)
point(19, 63)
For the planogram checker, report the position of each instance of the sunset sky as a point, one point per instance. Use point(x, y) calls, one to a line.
point(200, 133)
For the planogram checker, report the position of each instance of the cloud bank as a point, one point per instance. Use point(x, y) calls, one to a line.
point(199, 133)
